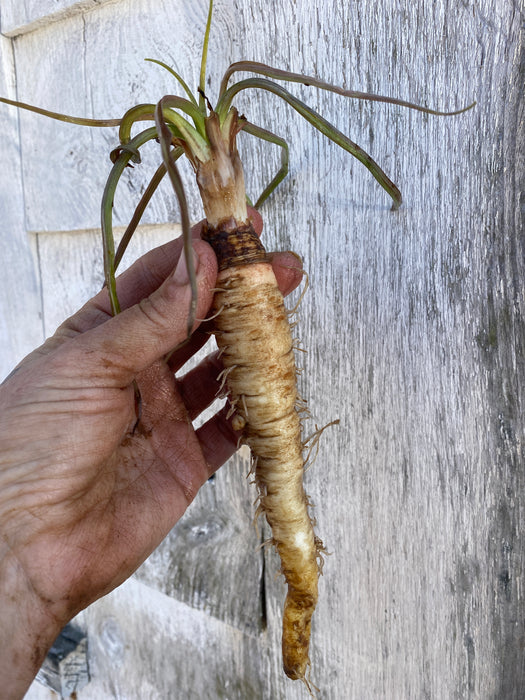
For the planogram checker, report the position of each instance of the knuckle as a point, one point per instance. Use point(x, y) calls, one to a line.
point(152, 311)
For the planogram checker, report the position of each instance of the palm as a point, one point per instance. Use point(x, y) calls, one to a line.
point(113, 492)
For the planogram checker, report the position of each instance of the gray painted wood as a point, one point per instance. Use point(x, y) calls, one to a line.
point(164, 649)
point(23, 16)
point(20, 317)
point(413, 323)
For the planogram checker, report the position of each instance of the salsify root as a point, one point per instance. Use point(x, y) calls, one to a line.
point(256, 345)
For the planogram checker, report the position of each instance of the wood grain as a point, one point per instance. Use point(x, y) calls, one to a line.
point(414, 325)
point(23, 16)
point(20, 314)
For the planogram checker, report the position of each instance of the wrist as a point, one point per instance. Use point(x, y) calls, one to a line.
point(27, 629)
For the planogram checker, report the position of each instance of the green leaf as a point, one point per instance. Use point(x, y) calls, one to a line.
point(266, 135)
point(278, 74)
point(80, 121)
point(107, 212)
point(319, 123)
point(177, 77)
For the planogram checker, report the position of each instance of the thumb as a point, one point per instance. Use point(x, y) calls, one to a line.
point(145, 332)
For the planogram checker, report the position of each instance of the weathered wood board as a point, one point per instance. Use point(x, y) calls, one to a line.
point(20, 318)
point(414, 326)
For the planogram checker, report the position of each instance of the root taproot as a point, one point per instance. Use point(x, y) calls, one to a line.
point(256, 347)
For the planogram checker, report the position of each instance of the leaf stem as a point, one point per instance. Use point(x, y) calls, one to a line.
point(266, 135)
point(202, 80)
point(107, 211)
point(165, 138)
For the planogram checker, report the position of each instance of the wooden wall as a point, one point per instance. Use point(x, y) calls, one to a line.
point(414, 325)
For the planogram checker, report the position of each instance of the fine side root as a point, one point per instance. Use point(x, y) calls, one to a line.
point(301, 405)
point(255, 521)
point(245, 408)
point(310, 687)
point(298, 348)
point(231, 410)
point(312, 442)
point(291, 312)
point(253, 466)
point(223, 377)
point(321, 553)
point(264, 544)
point(211, 318)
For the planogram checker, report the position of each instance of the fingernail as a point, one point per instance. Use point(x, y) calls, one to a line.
point(181, 276)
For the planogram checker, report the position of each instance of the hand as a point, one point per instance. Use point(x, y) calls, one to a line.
point(85, 497)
